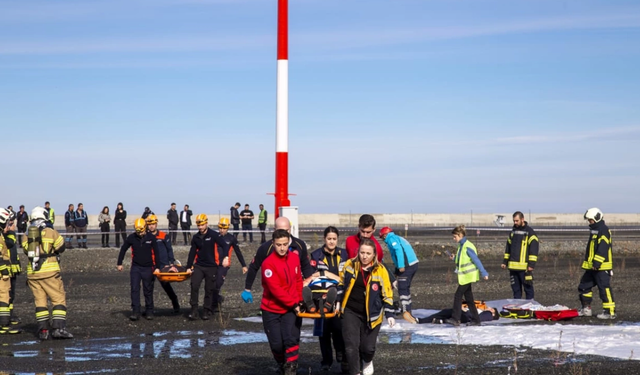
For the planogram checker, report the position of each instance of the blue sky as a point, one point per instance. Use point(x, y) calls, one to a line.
point(395, 105)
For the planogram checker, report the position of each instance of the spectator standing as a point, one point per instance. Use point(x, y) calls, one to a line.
point(105, 225)
point(22, 220)
point(172, 218)
point(51, 212)
point(81, 221)
point(262, 223)
point(185, 224)
point(246, 216)
point(120, 224)
point(69, 218)
point(147, 212)
point(235, 218)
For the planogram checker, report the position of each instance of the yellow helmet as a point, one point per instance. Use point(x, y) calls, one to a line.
point(202, 219)
point(140, 225)
point(223, 223)
point(152, 219)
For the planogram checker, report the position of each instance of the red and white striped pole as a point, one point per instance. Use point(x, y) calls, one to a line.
point(282, 110)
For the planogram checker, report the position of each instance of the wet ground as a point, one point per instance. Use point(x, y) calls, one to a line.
point(106, 341)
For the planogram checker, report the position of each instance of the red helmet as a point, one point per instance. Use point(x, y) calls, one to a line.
point(385, 230)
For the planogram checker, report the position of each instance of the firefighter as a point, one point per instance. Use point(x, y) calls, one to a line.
point(232, 242)
point(8, 228)
point(520, 256)
point(164, 258)
point(598, 265)
point(281, 298)
point(43, 245)
point(143, 254)
point(208, 249)
point(5, 271)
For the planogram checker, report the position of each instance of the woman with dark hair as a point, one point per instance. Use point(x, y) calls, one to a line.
point(105, 225)
point(328, 261)
point(120, 224)
point(366, 296)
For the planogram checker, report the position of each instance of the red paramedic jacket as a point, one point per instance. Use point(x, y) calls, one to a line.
point(281, 283)
point(353, 244)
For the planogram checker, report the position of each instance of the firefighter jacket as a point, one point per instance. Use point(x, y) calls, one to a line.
point(144, 250)
point(164, 256)
point(51, 245)
point(12, 244)
point(281, 283)
point(379, 294)
point(402, 252)
point(522, 248)
point(296, 246)
point(5, 259)
point(468, 265)
point(322, 260)
point(598, 254)
point(204, 251)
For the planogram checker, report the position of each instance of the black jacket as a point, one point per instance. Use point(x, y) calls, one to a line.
point(22, 220)
point(143, 250)
point(204, 251)
point(120, 215)
point(189, 213)
point(172, 217)
point(235, 215)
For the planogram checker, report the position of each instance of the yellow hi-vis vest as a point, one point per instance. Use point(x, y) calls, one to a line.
point(599, 240)
point(467, 271)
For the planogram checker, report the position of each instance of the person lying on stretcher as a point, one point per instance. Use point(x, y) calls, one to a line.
point(319, 295)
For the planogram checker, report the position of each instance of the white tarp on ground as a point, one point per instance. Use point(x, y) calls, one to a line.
point(618, 339)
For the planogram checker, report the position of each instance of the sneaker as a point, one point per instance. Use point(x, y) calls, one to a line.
point(409, 318)
point(206, 315)
point(453, 322)
point(437, 321)
point(330, 300)
point(307, 297)
point(134, 316)
point(585, 311)
point(43, 334)
point(149, 315)
point(61, 333)
point(367, 368)
point(194, 313)
point(606, 316)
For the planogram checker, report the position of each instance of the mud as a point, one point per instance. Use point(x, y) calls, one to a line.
point(106, 341)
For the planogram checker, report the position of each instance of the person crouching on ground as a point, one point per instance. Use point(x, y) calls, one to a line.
point(281, 299)
point(143, 254)
point(364, 292)
point(469, 269)
point(165, 260)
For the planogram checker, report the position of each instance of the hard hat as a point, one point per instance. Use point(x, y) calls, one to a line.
point(5, 216)
point(140, 225)
point(594, 214)
point(223, 223)
point(152, 219)
point(384, 231)
point(202, 219)
point(39, 213)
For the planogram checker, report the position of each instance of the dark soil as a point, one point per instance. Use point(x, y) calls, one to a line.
point(106, 341)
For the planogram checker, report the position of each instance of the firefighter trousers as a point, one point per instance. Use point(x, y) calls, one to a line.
point(5, 311)
point(601, 279)
point(517, 284)
point(50, 288)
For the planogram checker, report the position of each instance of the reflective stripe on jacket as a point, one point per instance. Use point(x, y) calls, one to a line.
point(522, 249)
point(401, 251)
point(598, 254)
point(466, 270)
point(51, 242)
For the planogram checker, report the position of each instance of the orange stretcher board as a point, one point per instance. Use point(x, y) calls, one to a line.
point(171, 277)
point(316, 315)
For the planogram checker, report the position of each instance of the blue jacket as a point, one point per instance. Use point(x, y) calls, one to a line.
point(80, 219)
point(401, 251)
point(474, 258)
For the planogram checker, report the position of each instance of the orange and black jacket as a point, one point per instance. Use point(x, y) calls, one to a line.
point(143, 250)
point(207, 250)
point(232, 242)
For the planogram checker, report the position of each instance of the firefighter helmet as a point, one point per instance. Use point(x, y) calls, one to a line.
point(39, 213)
point(223, 223)
point(140, 225)
point(152, 219)
point(202, 219)
point(5, 217)
point(593, 214)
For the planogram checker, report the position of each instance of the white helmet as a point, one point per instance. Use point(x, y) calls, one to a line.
point(5, 216)
point(39, 213)
point(593, 214)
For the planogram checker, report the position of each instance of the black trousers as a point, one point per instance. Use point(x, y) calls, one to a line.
point(283, 334)
point(517, 284)
point(208, 274)
point(404, 286)
point(332, 329)
point(245, 228)
point(121, 231)
point(221, 274)
point(170, 293)
point(601, 279)
point(174, 234)
point(21, 229)
point(263, 228)
point(235, 229)
point(464, 290)
point(359, 339)
point(104, 229)
point(186, 234)
point(145, 275)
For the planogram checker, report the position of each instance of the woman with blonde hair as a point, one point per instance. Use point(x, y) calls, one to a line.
point(366, 296)
point(469, 269)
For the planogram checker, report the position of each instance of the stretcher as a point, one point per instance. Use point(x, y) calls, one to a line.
point(168, 274)
point(317, 315)
point(316, 296)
